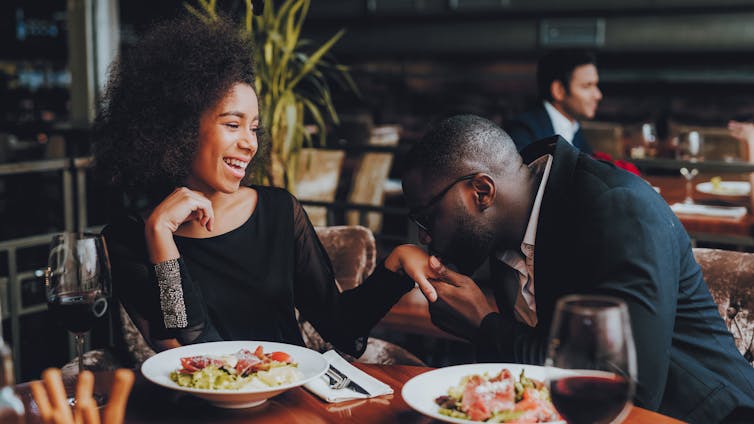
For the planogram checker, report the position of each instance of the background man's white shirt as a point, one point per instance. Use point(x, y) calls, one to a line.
point(562, 126)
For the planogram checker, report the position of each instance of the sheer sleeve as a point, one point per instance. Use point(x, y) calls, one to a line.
point(343, 319)
point(135, 285)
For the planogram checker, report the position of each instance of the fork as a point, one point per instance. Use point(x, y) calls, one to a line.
point(337, 381)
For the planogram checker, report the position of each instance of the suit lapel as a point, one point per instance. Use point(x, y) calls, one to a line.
point(544, 124)
point(552, 240)
point(505, 293)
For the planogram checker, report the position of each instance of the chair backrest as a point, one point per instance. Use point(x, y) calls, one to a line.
point(352, 251)
point(730, 278)
point(369, 177)
point(317, 179)
point(604, 137)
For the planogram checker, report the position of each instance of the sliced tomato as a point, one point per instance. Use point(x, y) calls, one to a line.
point(259, 353)
point(280, 357)
point(245, 366)
point(195, 363)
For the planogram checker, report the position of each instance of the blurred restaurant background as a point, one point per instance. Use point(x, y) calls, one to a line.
point(667, 68)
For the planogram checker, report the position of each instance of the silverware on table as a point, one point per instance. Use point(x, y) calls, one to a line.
point(338, 381)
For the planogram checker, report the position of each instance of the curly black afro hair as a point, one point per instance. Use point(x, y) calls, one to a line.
point(146, 133)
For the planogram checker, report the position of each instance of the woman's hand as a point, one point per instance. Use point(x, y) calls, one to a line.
point(414, 262)
point(743, 131)
point(182, 205)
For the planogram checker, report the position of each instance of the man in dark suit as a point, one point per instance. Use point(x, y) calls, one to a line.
point(568, 92)
point(580, 226)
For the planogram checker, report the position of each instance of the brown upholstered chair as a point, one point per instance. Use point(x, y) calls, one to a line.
point(730, 278)
point(353, 253)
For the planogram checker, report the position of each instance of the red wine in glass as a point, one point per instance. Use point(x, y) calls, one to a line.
point(77, 285)
point(590, 399)
point(77, 312)
point(591, 360)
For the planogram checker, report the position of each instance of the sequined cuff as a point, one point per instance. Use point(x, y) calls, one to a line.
point(171, 294)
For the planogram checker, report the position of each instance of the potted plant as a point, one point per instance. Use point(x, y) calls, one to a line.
point(293, 78)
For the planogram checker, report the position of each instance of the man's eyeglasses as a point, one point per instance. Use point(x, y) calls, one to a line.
point(419, 214)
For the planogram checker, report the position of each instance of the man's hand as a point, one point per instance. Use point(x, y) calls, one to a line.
point(461, 306)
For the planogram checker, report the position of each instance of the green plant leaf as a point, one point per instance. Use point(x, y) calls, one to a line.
point(315, 57)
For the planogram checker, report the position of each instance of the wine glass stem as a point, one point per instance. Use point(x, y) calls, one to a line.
point(80, 349)
point(689, 189)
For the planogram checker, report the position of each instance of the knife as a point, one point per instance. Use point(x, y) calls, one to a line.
point(351, 384)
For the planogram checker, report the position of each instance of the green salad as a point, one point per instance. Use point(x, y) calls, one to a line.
point(243, 369)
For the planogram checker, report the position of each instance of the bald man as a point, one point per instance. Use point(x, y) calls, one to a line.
point(553, 221)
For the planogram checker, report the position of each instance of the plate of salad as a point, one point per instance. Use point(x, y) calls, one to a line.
point(475, 393)
point(234, 374)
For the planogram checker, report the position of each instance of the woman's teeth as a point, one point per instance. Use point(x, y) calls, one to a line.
point(235, 162)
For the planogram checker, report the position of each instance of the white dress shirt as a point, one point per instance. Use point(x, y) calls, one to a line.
point(562, 126)
point(522, 261)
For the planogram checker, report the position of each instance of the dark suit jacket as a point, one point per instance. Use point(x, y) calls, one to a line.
point(602, 230)
point(534, 125)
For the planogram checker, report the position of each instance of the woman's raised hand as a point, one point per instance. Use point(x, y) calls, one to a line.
point(182, 205)
point(414, 262)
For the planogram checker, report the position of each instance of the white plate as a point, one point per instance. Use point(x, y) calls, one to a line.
point(726, 188)
point(157, 369)
point(421, 391)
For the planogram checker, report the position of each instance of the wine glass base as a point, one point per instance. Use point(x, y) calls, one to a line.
point(99, 399)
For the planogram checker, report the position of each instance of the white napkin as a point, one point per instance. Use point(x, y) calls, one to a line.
point(719, 211)
point(321, 386)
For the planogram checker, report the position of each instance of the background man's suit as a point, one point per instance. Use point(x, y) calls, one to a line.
point(602, 230)
point(534, 125)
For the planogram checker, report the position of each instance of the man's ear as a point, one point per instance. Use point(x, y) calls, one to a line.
point(484, 191)
point(557, 90)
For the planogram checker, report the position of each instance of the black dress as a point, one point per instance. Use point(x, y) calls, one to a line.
point(245, 284)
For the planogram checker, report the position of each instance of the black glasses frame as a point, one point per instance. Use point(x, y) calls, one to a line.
point(422, 219)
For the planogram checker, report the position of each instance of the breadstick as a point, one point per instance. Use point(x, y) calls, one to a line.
point(43, 402)
point(116, 406)
point(89, 411)
point(84, 389)
point(85, 385)
point(54, 384)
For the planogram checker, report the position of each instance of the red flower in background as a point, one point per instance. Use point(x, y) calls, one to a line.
point(620, 163)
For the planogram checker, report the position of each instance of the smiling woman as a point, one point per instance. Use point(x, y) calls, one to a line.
point(227, 141)
point(215, 259)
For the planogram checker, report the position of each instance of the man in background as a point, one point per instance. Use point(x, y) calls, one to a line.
point(567, 84)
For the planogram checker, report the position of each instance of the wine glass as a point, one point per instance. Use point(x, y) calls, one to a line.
point(591, 360)
point(690, 149)
point(689, 176)
point(649, 139)
point(690, 146)
point(78, 285)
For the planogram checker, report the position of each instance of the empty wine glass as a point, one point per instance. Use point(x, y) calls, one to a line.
point(690, 146)
point(78, 285)
point(649, 139)
point(689, 176)
point(591, 360)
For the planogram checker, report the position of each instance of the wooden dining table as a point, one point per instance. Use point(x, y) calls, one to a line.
point(150, 403)
point(708, 228)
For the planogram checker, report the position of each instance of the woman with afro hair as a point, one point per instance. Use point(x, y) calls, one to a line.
point(213, 258)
